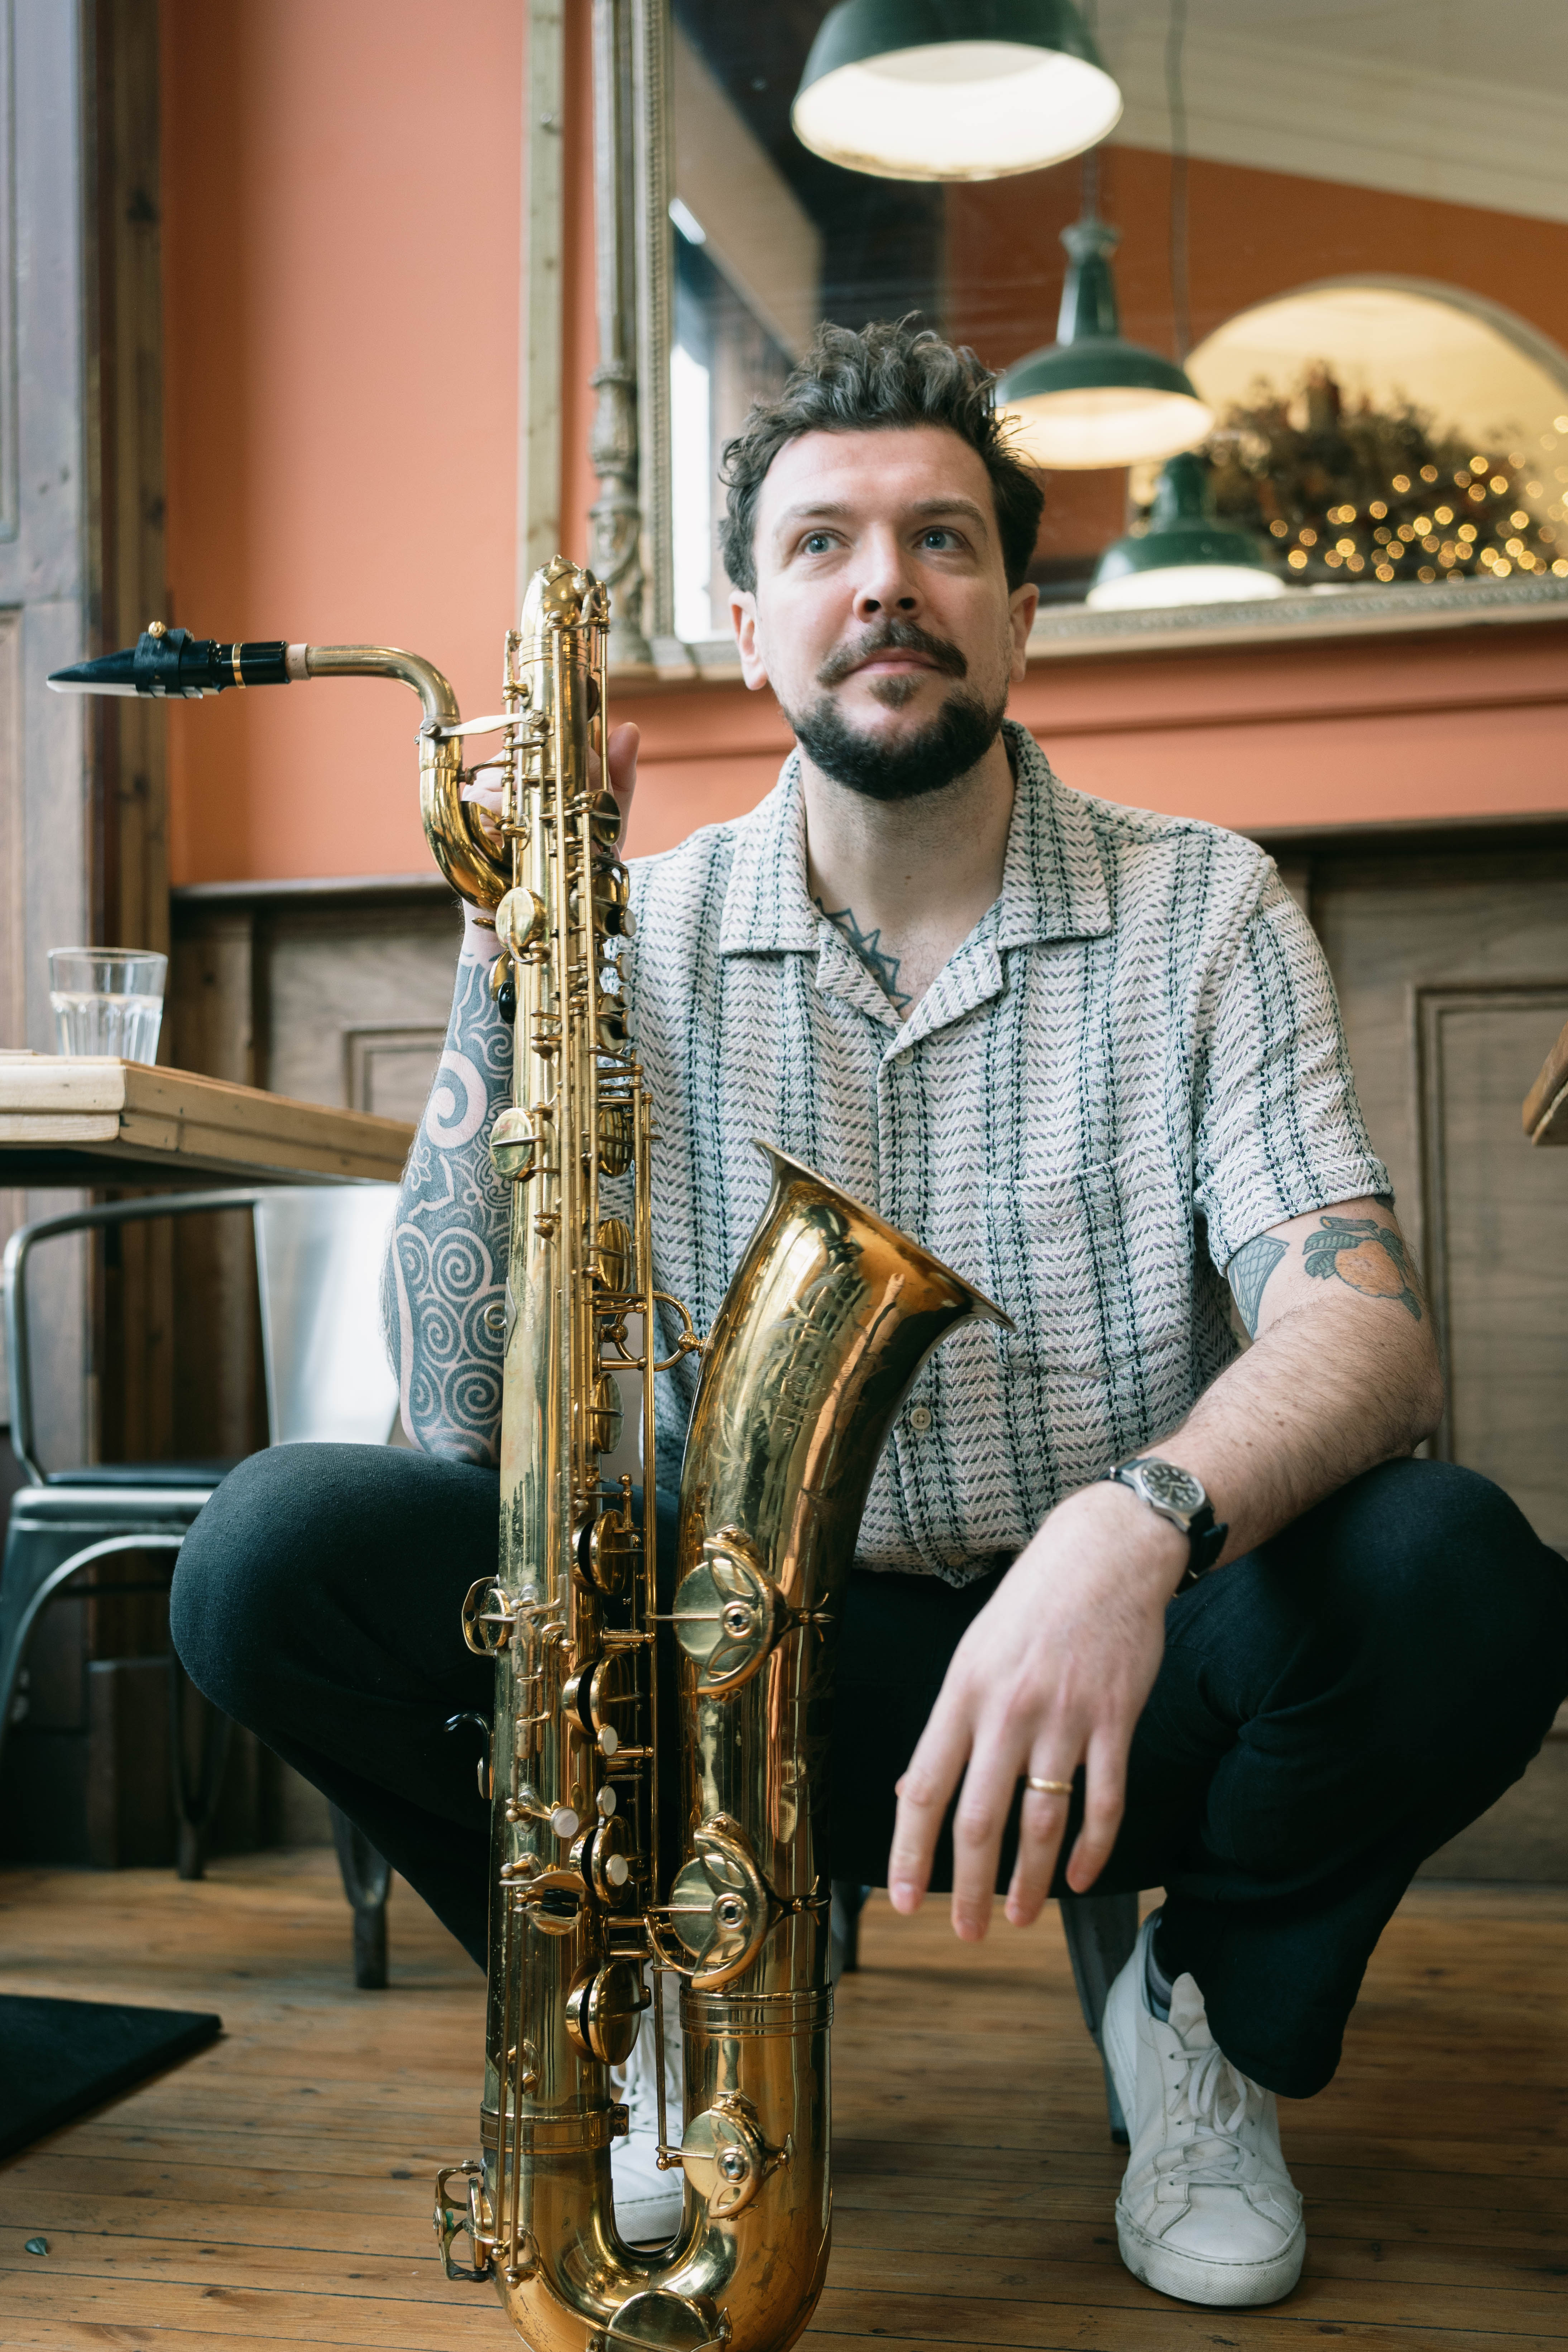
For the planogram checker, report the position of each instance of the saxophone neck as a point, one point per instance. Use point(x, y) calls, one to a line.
point(429, 683)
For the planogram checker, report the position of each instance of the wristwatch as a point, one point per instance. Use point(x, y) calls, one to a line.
point(1178, 1496)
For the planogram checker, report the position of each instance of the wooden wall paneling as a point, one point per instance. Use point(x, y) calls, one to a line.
point(1430, 912)
point(329, 997)
point(220, 1399)
point(348, 991)
point(388, 1069)
point(1447, 952)
point(212, 995)
point(42, 590)
point(13, 895)
point(1496, 1219)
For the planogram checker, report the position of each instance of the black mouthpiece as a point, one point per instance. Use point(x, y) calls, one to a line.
point(171, 661)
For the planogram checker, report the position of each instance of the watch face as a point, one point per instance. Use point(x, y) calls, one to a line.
point(1176, 1489)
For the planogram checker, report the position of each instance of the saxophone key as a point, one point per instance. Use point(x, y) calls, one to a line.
point(604, 2012)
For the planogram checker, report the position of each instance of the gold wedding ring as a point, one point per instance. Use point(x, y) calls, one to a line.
point(1047, 1788)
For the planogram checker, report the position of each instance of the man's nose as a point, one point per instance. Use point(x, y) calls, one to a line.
point(887, 581)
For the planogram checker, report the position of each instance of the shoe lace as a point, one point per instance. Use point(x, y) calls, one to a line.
point(1214, 2096)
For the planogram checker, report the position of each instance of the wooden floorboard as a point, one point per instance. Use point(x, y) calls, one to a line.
point(276, 2190)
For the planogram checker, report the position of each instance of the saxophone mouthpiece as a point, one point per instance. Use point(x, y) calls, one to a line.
point(165, 661)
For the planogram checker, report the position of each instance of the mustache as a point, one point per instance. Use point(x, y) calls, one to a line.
point(889, 637)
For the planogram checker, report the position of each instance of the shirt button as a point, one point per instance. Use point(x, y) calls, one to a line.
point(919, 1416)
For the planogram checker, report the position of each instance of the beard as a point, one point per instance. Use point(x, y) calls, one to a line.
point(955, 740)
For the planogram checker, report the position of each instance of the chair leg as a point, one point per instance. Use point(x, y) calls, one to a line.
point(197, 1792)
point(366, 1879)
point(1102, 1931)
point(844, 1926)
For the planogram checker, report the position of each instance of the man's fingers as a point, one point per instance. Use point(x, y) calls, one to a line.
point(485, 792)
point(1105, 1799)
point(925, 1790)
point(1042, 1820)
point(977, 1829)
point(622, 749)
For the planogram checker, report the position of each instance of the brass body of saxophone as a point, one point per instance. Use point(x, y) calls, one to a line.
point(828, 1319)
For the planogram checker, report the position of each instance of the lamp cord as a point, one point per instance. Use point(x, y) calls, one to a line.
point(1176, 105)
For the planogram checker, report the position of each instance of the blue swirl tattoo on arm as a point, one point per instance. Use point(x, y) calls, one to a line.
point(444, 1289)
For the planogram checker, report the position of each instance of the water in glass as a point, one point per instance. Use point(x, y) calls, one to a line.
point(126, 1026)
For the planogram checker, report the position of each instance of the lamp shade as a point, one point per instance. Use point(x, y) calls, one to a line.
point(1091, 398)
point(953, 89)
point(1186, 556)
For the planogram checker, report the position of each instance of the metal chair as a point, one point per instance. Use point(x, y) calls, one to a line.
point(1100, 1931)
point(318, 1251)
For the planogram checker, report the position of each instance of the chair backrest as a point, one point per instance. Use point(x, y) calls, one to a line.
point(320, 1250)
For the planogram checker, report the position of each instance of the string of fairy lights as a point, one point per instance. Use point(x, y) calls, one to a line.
point(1374, 496)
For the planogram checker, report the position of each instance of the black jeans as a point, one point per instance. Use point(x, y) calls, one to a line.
point(1330, 1708)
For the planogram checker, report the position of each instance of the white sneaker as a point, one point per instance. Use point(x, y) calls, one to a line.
point(647, 2201)
point(1208, 2210)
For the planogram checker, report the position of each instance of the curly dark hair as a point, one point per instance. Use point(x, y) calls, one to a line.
point(893, 372)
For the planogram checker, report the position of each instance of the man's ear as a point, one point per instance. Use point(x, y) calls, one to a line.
point(1022, 607)
point(743, 620)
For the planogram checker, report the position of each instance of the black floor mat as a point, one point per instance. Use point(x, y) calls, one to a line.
point(59, 2058)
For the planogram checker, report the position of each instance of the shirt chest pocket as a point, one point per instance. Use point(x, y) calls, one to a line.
point(1107, 1264)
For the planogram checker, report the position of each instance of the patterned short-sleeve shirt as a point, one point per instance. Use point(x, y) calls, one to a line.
point(1132, 1065)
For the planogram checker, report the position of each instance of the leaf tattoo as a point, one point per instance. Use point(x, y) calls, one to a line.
point(1370, 1257)
point(1247, 1275)
point(867, 945)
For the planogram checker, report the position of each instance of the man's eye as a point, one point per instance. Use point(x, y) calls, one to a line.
point(937, 536)
point(816, 542)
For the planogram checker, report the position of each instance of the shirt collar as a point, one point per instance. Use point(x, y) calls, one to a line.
point(767, 908)
point(1053, 879)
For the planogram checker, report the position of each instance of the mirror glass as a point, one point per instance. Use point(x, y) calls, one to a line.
point(1348, 219)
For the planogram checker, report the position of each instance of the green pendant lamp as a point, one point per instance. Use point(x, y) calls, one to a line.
point(1092, 399)
point(1186, 556)
point(953, 89)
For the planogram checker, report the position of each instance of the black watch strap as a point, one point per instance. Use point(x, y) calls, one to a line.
point(1206, 1540)
point(1206, 1534)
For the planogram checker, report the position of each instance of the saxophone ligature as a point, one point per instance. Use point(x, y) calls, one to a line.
point(617, 1854)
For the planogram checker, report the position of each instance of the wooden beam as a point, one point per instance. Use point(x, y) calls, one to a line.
point(132, 1372)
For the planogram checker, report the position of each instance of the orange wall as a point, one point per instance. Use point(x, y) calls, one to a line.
point(1469, 724)
point(341, 222)
point(342, 210)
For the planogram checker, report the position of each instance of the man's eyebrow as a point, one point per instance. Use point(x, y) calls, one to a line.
point(813, 509)
point(836, 510)
point(957, 504)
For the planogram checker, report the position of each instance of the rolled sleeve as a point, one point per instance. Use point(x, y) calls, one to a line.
point(1279, 1131)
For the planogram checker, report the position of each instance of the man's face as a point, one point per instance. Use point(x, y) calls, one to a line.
point(881, 617)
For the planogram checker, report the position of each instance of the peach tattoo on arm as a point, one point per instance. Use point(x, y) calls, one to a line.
point(1370, 1257)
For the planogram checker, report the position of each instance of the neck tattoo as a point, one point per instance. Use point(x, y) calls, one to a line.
point(867, 945)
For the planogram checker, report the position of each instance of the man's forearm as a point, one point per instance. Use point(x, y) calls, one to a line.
point(445, 1275)
point(1325, 1392)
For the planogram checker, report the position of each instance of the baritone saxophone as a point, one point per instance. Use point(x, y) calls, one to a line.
point(623, 1847)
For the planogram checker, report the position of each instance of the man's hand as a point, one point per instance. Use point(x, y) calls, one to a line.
point(1053, 1673)
point(481, 944)
point(485, 792)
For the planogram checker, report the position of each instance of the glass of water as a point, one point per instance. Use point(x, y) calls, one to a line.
point(108, 1001)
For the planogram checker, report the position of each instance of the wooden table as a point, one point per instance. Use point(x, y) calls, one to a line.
point(1546, 1104)
point(78, 1120)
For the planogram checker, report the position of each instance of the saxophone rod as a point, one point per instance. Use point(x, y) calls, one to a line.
point(172, 662)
